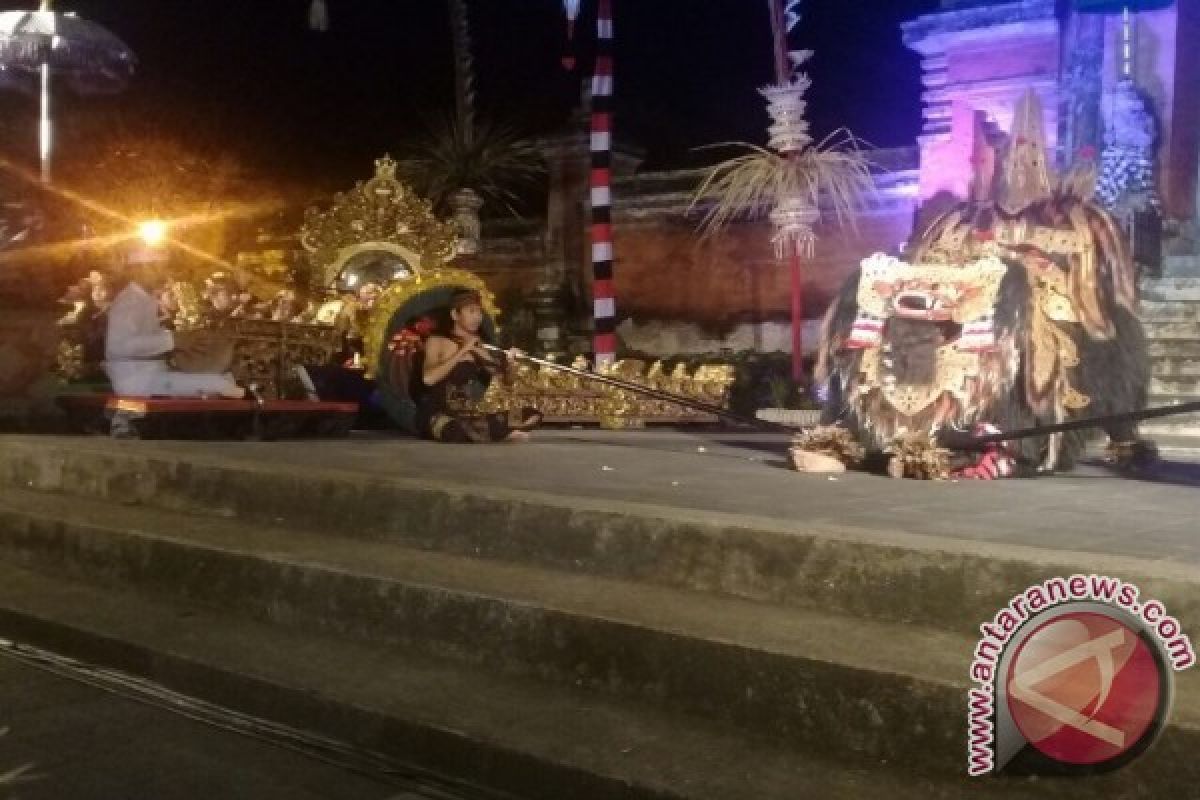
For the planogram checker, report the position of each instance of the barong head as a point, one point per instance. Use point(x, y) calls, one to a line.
point(921, 346)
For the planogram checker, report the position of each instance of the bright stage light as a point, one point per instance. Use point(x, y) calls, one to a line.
point(153, 232)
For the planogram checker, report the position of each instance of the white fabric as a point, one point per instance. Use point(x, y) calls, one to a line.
point(135, 350)
point(601, 196)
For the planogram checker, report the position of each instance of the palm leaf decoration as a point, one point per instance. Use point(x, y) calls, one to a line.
point(493, 159)
point(464, 152)
point(833, 175)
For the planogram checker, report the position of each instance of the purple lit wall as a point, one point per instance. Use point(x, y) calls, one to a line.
point(980, 59)
point(982, 56)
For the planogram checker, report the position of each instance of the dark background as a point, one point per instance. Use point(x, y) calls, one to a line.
point(248, 76)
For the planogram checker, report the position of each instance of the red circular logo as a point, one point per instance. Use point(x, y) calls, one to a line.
point(1084, 688)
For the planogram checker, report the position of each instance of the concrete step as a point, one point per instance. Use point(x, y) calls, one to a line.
point(800, 563)
point(1184, 430)
point(1181, 266)
point(808, 679)
point(1152, 311)
point(737, 699)
point(1175, 447)
point(1176, 387)
point(516, 737)
point(1170, 282)
point(782, 634)
point(1173, 398)
point(1187, 429)
point(1185, 290)
point(1173, 348)
point(1173, 330)
point(1180, 425)
point(1175, 367)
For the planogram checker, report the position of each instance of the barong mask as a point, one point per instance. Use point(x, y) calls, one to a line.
point(915, 351)
point(923, 349)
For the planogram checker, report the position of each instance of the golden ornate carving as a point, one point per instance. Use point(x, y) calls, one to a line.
point(1053, 350)
point(267, 352)
point(190, 314)
point(380, 214)
point(565, 398)
point(69, 361)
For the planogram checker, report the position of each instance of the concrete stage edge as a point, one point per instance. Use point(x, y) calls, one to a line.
point(593, 614)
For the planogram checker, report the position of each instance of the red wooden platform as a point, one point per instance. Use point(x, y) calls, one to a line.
point(200, 405)
point(210, 418)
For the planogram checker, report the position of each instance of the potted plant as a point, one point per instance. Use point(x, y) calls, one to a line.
point(466, 164)
point(791, 403)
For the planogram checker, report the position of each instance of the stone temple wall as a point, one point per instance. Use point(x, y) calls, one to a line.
point(676, 292)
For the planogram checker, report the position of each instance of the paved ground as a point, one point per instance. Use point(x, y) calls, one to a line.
point(1091, 510)
point(85, 743)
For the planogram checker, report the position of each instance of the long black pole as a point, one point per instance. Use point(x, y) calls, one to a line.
point(966, 441)
point(657, 394)
point(947, 437)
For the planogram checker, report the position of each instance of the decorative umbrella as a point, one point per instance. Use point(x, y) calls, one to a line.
point(89, 58)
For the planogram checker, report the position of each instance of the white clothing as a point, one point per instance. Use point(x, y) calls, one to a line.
point(135, 350)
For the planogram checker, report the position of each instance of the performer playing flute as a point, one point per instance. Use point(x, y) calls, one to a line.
point(456, 371)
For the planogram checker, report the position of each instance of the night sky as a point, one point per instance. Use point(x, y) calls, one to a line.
point(248, 75)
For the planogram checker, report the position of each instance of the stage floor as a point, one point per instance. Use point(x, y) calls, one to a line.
point(745, 479)
point(570, 587)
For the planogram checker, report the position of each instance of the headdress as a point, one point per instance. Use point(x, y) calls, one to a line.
point(1026, 168)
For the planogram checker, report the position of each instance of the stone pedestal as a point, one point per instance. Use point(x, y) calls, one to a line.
point(549, 317)
point(466, 204)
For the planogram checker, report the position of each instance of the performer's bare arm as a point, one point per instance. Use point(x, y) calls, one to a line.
point(442, 354)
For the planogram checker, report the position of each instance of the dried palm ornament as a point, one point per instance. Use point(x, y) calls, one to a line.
point(917, 455)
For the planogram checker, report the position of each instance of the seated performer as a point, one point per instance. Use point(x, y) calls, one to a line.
point(455, 372)
point(220, 295)
point(137, 345)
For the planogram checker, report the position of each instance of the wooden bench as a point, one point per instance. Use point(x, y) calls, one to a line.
point(203, 418)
